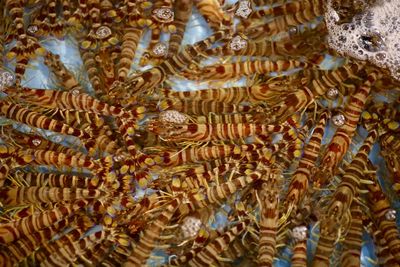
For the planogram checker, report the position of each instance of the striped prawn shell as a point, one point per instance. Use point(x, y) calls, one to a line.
point(299, 258)
point(311, 10)
point(218, 131)
point(225, 118)
point(201, 107)
point(12, 231)
point(24, 247)
point(379, 205)
point(233, 95)
point(183, 11)
point(230, 95)
point(71, 101)
point(341, 201)
point(56, 180)
point(299, 183)
point(234, 70)
point(333, 78)
point(342, 138)
point(289, 8)
point(21, 114)
point(66, 249)
point(150, 235)
point(210, 253)
point(24, 195)
point(353, 241)
point(213, 13)
point(156, 75)
point(290, 46)
point(206, 153)
point(93, 70)
point(269, 215)
point(129, 45)
point(385, 257)
point(63, 76)
point(217, 194)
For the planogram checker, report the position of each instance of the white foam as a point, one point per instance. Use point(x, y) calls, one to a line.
point(381, 23)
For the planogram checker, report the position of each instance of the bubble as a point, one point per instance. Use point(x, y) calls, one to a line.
point(372, 35)
point(357, 20)
point(103, 32)
point(372, 42)
point(6, 78)
point(244, 9)
point(32, 29)
point(380, 56)
point(396, 73)
point(160, 49)
point(390, 215)
point(163, 14)
point(345, 26)
point(36, 142)
point(332, 93)
point(173, 116)
point(190, 226)
point(338, 120)
point(300, 233)
point(368, 19)
point(342, 38)
point(237, 43)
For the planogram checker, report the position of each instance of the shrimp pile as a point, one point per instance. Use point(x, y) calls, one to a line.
point(274, 159)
